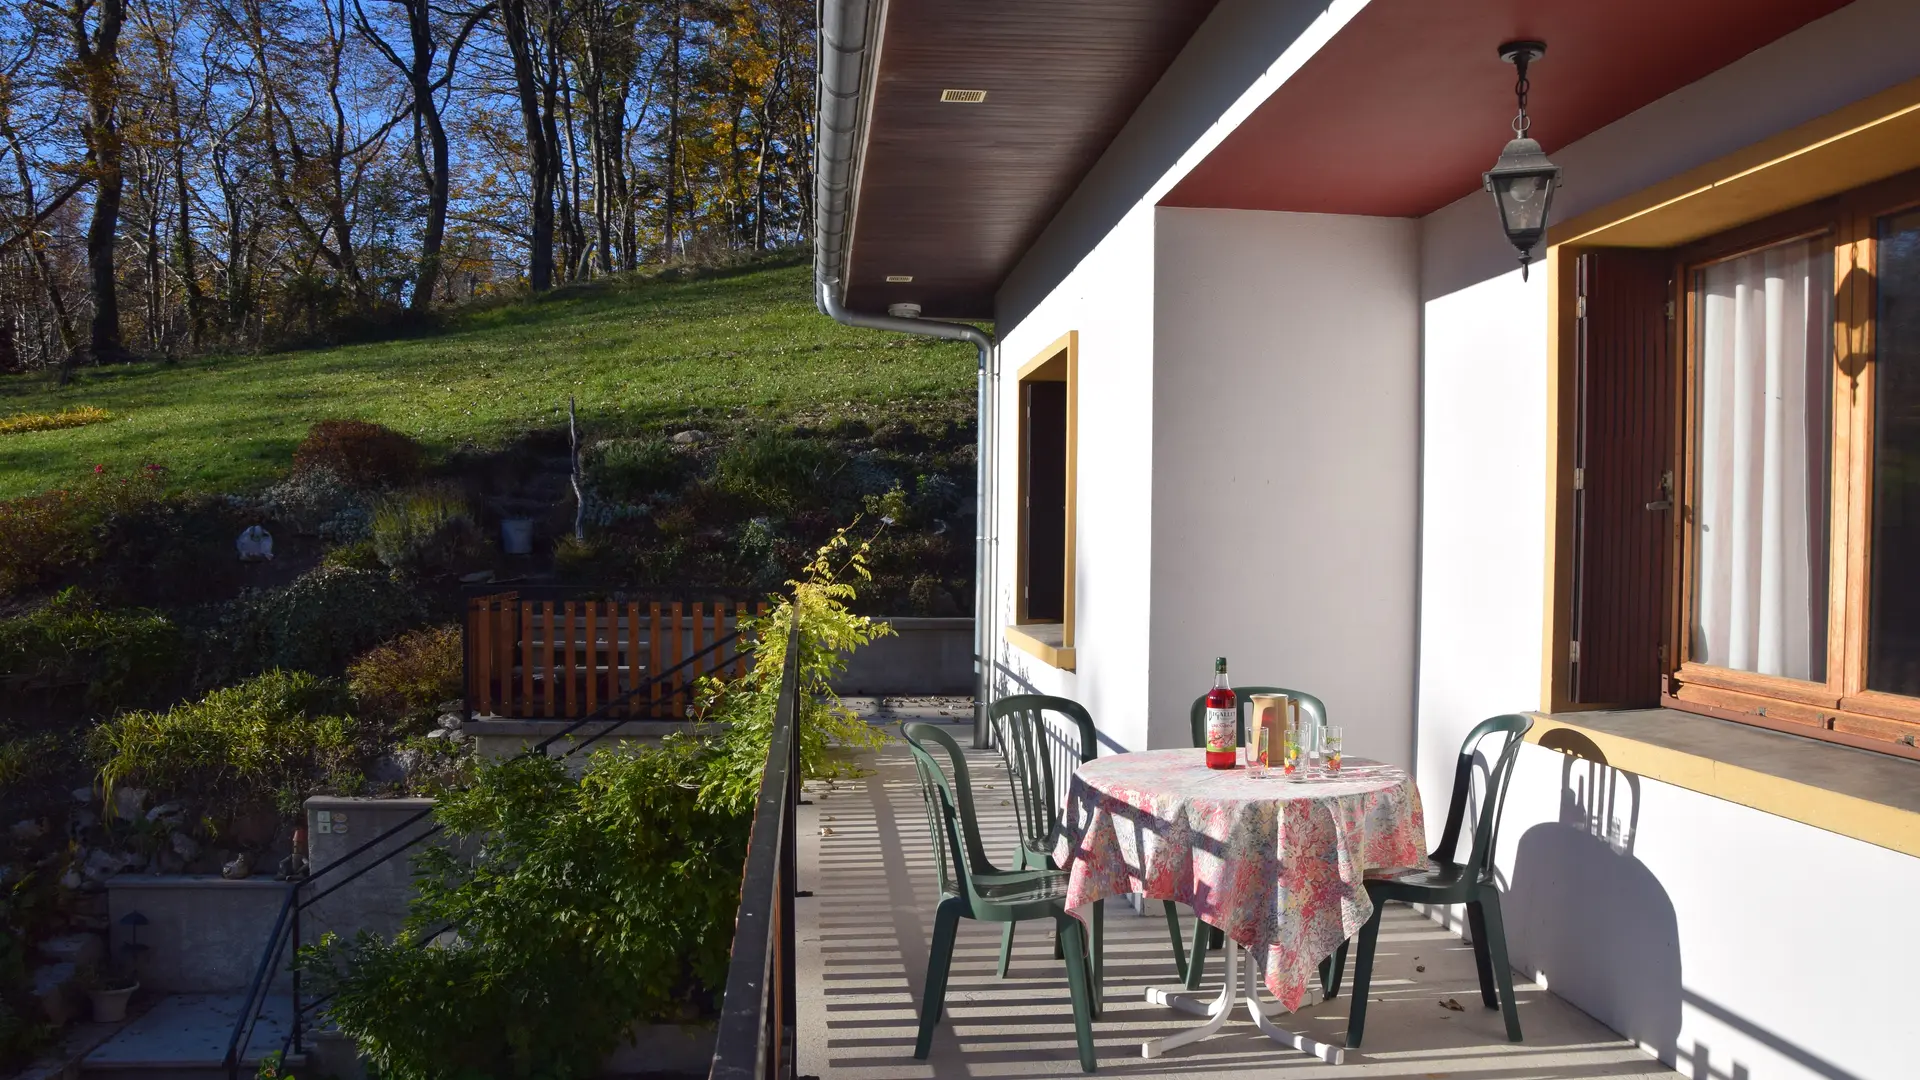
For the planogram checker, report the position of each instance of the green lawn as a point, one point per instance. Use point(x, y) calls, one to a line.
point(635, 355)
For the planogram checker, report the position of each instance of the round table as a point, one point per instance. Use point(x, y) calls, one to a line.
point(1275, 862)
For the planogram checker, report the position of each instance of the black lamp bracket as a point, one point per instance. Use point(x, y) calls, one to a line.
point(1520, 54)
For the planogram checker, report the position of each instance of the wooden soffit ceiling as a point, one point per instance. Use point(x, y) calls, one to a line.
point(1403, 110)
point(953, 194)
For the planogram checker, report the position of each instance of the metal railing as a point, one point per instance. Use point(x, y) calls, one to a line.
point(756, 1036)
point(285, 935)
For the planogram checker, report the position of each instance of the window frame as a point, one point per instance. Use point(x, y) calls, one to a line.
point(1050, 642)
point(1839, 707)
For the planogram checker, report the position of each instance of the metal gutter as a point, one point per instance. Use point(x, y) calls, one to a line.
point(846, 45)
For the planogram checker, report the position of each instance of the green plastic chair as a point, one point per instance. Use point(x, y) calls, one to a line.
point(1205, 936)
point(972, 888)
point(1021, 735)
point(1445, 881)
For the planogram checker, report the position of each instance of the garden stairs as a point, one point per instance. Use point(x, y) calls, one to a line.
point(184, 1037)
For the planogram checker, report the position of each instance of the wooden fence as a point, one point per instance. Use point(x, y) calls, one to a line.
point(537, 658)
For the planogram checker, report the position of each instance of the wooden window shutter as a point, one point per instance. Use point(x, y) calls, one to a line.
point(1623, 498)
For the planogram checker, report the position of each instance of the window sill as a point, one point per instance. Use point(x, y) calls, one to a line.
point(1046, 641)
point(1858, 793)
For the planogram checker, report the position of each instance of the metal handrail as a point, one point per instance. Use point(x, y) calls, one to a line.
point(755, 1040)
point(287, 926)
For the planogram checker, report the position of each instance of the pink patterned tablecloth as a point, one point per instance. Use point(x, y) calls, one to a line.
point(1276, 863)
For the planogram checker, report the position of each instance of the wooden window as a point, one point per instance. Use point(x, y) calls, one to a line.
point(1794, 600)
point(1043, 600)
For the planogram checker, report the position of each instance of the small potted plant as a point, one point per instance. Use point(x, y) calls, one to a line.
point(110, 992)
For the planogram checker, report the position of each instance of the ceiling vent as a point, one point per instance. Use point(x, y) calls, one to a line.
point(963, 97)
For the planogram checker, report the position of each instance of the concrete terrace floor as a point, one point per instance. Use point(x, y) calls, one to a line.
point(863, 940)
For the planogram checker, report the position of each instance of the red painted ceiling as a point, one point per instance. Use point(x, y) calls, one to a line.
point(1401, 112)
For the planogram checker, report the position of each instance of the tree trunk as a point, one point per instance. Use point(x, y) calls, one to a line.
point(520, 44)
point(99, 55)
point(674, 31)
point(189, 276)
point(434, 235)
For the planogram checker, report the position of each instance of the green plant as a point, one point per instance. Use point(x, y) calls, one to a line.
point(24, 910)
point(586, 906)
point(424, 531)
point(77, 416)
point(362, 453)
point(776, 470)
point(121, 657)
point(406, 678)
point(43, 536)
point(358, 555)
point(828, 630)
point(318, 622)
point(275, 738)
point(23, 758)
point(632, 470)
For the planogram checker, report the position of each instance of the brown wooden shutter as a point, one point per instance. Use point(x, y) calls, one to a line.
point(1623, 494)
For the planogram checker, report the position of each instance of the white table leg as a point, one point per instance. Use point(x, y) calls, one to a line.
point(1216, 1010)
point(1260, 1012)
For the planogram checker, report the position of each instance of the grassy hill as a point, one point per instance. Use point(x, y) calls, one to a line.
point(636, 355)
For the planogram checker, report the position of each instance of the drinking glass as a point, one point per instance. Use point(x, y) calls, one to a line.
point(1290, 753)
point(1334, 740)
point(1257, 750)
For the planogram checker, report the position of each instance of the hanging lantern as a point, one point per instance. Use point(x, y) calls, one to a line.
point(1522, 180)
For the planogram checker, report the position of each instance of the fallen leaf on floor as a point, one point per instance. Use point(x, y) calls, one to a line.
point(1453, 1005)
point(829, 817)
point(1006, 802)
point(1419, 967)
point(826, 830)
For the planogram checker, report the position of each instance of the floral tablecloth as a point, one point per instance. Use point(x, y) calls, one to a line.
point(1276, 863)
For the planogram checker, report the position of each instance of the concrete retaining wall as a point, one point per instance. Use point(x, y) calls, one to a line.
point(377, 899)
point(203, 933)
point(924, 656)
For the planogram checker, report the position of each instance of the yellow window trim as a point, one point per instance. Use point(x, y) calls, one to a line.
point(1022, 638)
point(1890, 827)
point(1058, 362)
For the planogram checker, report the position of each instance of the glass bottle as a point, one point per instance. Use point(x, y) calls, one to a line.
point(1223, 720)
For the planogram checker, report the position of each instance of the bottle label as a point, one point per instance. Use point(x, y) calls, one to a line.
point(1222, 730)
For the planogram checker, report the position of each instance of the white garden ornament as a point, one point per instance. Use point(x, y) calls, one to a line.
point(254, 545)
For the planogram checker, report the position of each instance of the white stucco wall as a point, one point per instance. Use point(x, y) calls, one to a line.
point(1093, 270)
point(1108, 299)
point(1285, 414)
point(1718, 937)
point(1715, 942)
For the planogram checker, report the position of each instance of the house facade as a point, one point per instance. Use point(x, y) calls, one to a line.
point(1268, 381)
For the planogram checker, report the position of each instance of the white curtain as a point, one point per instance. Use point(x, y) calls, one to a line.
point(1765, 322)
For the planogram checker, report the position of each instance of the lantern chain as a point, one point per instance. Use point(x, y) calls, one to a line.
point(1521, 122)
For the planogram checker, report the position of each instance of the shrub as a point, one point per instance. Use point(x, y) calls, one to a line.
point(277, 738)
point(425, 532)
point(828, 631)
point(43, 536)
point(319, 622)
point(632, 470)
point(587, 906)
point(776, 470)
point(122, 657)
point(408, 677)
point(361, 453)
point(315, 501)
point(77, 416)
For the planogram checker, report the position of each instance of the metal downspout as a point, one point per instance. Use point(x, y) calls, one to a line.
point(983, 560)
point(846, 29)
